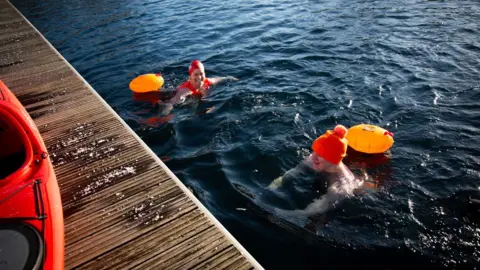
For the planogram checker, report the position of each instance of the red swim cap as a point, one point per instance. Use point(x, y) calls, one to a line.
point(195, 65)
point(332, 146)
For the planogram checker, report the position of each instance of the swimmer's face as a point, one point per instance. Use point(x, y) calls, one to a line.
point(197, 77)
point(319, 164)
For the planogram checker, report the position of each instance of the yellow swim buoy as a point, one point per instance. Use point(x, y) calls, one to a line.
point(369, 139)
point(146, 83)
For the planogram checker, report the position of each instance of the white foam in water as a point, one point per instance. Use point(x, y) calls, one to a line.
point(436, 98)
point(297, 118)
point(410, 207)
point(307, 136)
point(439, 211)
point(350, 103)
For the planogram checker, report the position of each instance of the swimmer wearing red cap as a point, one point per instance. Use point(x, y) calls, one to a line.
point(197, 83)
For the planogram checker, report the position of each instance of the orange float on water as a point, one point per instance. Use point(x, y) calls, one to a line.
point(369, 139)
point(147, 83)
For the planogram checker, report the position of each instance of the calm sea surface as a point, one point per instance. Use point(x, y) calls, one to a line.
point(412, 67)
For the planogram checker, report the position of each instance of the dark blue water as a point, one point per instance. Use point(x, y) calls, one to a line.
point(412, 67)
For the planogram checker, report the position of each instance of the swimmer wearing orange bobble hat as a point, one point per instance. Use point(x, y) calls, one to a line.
point(197, 83)
point(328, 152)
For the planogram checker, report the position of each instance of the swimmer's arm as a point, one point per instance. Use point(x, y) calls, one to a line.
point(214, 81)
point(367, 186)
point(178, 95)
point(278, 182)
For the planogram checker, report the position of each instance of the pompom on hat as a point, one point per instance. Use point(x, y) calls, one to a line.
point(195, 65)
point(332, 145)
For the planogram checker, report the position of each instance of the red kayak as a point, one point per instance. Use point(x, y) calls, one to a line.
point(31, 215)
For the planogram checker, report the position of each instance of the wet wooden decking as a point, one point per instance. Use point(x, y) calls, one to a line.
point(123, 208)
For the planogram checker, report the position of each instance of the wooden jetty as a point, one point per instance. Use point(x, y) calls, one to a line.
point(123, 208)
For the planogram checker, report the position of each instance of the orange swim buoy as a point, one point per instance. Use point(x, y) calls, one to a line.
point(369, 139)
point(147, 83)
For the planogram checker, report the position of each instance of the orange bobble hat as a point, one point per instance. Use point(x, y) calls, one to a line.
point(332, 145)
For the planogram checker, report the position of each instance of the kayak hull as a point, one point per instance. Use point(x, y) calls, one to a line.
point(30, 204)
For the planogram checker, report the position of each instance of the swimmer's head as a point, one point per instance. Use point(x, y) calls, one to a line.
point(197, 73)
point(332, 145)
point(194, 66)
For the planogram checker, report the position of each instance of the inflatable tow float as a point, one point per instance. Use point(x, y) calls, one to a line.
point(369, 139)
point(147, 83)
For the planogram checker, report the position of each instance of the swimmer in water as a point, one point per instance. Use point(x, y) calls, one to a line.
point(328, 152)
point(197, 83)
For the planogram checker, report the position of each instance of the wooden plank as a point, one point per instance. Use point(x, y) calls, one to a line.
point(245, 266)
point(161, 261)
point(121, 148)
point(152, 244)
point(238, 264)
point(226, 263)
point(13, 30)
point(24, 84)
point(30, 66)
point(10, 47)
point(116, 195)
point(122, 207)
point(219, 261)
point(111, 216)
point(234, 263)
point(200, 253)
point(106, 240)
